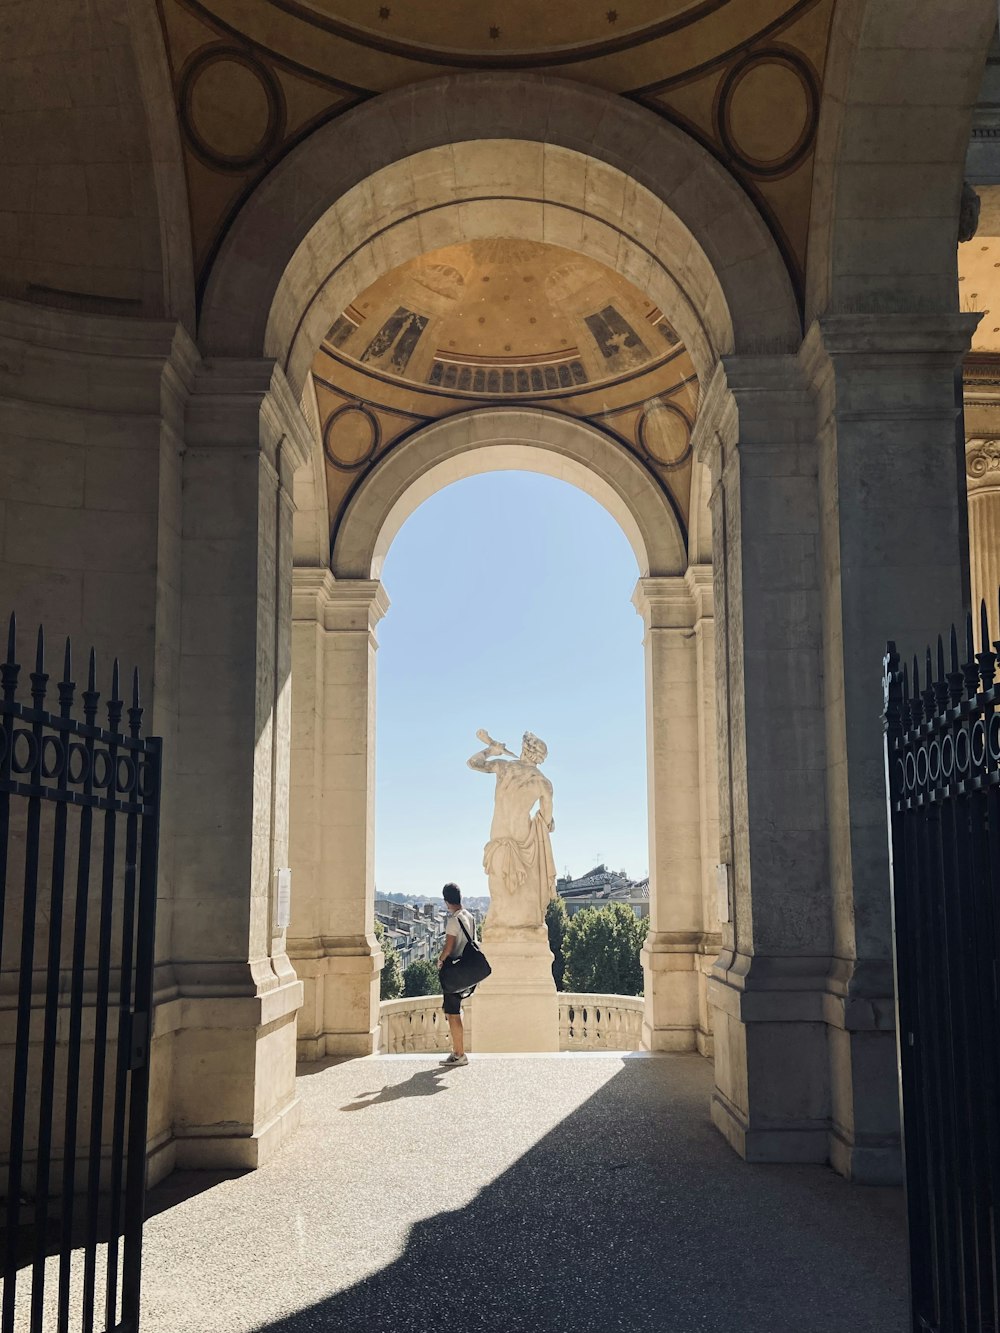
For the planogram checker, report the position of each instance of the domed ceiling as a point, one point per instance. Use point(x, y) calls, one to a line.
point(742, 76)
point(503, 321)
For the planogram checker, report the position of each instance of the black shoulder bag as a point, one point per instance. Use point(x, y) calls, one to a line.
point(468, 969)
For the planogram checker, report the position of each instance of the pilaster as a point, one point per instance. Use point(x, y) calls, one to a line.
point(893, 526)
point(332, 940)
point(237, 996)
point(756, 432)
point(982, 472)
point(675, 1016)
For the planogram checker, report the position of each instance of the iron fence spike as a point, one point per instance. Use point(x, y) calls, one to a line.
point(984, 625)
point(92, 671)
point(40, 651)
point(954, 649)
point(68, 660)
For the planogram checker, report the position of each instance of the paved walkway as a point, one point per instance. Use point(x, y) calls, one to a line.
point(556, 1194)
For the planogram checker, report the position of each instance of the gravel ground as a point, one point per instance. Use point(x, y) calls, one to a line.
point(557, 1194)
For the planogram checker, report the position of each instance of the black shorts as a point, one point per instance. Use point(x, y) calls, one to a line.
point(453, 1003)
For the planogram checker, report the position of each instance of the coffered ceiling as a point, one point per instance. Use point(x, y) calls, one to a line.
point(501, 321)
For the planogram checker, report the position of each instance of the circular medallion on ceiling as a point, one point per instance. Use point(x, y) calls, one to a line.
point(351, 436)
point(665, 434)
point(767, 111)
point(231, 107)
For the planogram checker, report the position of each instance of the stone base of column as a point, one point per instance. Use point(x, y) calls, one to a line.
point(772, 1070)
point(234, 1094)
point(516, 1007)
point(671, 982)
point(864, 1136)
point(340, 1013)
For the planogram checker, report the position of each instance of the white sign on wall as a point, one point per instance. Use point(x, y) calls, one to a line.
point(722, 886)
point(283, 915)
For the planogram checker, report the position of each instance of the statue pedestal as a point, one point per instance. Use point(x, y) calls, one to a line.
point(516, 1008)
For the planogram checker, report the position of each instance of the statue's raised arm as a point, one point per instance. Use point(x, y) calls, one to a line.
point(481, 760)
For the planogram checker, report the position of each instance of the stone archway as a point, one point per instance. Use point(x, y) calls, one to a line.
point(333, 751)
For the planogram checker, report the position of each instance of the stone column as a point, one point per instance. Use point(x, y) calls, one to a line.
point(332, 941)
point(756, 430)
point(92, 440)
point(699, 581)
point(672, 952)
point(234, 1094)
point(982, 466)
point(893, 527)
point(982, 471)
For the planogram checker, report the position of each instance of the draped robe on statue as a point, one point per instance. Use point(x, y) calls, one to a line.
point(518, 858)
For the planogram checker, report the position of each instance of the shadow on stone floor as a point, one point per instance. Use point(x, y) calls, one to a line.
point(424, 1084)
point(633, 1216)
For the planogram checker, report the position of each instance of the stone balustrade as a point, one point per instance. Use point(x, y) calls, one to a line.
point(600, 1022)
point(586, 1023)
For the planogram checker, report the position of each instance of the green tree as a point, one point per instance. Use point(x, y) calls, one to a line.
point(421, 978)
point(557, 924)
point(391, 980)
point(602, 950)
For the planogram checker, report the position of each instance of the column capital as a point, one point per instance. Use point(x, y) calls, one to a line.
point(337, 604)
point(747, 400)
point(982, 463)
point(946, 334)
point(665, 602)
point(232, 398)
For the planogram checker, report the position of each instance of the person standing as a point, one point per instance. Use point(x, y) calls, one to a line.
point(460, 929)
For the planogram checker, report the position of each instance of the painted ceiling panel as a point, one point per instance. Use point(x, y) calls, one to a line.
point(252, 77)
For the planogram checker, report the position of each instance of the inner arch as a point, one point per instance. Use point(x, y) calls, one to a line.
point(505, 439)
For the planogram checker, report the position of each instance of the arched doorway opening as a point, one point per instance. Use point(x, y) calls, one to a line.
point(334, 658)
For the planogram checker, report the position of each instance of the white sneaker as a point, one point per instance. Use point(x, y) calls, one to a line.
point(454, 1060)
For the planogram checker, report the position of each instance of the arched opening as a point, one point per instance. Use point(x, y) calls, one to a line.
point(673, 600)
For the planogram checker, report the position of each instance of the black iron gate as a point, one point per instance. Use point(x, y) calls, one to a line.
point(79, 816)
point(942, 750)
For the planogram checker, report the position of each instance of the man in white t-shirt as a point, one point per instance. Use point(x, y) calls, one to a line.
point(455, 940)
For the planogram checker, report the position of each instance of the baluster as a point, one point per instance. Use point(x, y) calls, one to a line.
point(114, 706)
point(970, 668)
point(91, 697)
point(956, 680)
point(941, 683)
point(916, 700)
point(29, 916)
point(67, 690)
point(986, 658)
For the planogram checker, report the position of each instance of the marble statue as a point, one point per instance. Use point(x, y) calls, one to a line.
point(518, 857)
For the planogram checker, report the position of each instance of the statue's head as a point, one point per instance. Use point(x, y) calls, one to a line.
point(533, 751)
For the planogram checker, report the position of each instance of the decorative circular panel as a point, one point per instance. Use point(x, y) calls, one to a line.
point(665, 434)
point(231, 107)
point(767, 111)
point(351, 436)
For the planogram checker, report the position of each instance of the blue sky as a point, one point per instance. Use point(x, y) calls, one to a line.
point(511, 611)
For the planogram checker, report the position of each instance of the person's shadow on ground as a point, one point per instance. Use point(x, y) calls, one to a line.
point(424, 1084)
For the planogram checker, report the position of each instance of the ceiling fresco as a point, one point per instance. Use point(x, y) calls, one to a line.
point(253, 77)
point(503, 321)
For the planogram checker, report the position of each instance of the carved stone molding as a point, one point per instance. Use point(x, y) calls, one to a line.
point(982, 462)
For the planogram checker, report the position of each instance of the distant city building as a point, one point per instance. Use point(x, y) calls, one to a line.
point(601, 886)
point(416, 928)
